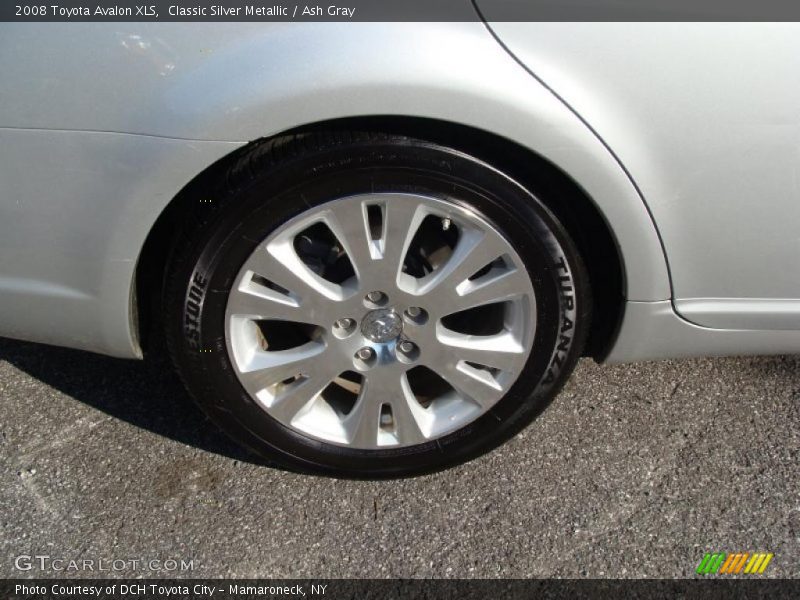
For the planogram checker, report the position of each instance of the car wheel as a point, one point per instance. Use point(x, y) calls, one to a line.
point(370, 305)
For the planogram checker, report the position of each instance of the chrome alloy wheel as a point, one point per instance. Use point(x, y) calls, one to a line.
point(380, 320)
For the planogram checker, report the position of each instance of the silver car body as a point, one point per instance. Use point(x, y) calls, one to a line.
point(685, 136)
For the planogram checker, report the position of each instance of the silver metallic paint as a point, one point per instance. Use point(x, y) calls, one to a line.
point(705, 117)
point(75, 209)
point(101, 126)
point(235, 83)
point(652, 330)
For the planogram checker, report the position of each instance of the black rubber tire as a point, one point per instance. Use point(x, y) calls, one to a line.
point(282, 177)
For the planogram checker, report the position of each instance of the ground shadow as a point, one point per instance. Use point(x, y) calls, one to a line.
point(147, 394)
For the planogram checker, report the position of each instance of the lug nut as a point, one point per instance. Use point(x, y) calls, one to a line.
point(406, 347)
point(375, 297)
point(344, 323)
point(416, 315)
point(365, 354)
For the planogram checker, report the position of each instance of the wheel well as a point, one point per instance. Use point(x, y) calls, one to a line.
point(568, 201)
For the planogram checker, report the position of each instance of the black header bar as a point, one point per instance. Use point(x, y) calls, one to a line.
point(399, 10)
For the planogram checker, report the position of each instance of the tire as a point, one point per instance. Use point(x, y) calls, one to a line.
point(283, 184)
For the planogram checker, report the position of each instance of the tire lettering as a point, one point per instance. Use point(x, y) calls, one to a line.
point(567, 292)
point(194, 300)
point(563, 345)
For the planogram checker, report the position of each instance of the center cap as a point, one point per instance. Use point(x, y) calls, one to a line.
point(382, 325)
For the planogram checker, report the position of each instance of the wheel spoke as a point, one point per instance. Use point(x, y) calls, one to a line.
point(348, 222)
point(264, 305)
point(363, 422)
point(498, 287)
point(289, 405)
point(267, 368)
point(402, 218)
point(280, 264)
point(407, 413)
point(472, 384)
point(473, 251)
point(501, 351)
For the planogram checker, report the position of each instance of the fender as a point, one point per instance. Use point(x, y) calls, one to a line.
point(300, 74)
point(196, 97)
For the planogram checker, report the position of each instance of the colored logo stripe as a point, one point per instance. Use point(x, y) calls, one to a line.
point(710, 563)
point(722, 563)
point(758, 563)
point(734, 563)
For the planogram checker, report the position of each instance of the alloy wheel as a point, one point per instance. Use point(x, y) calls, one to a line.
point(380, 320)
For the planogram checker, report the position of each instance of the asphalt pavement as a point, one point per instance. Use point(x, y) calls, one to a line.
point(634, 471)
